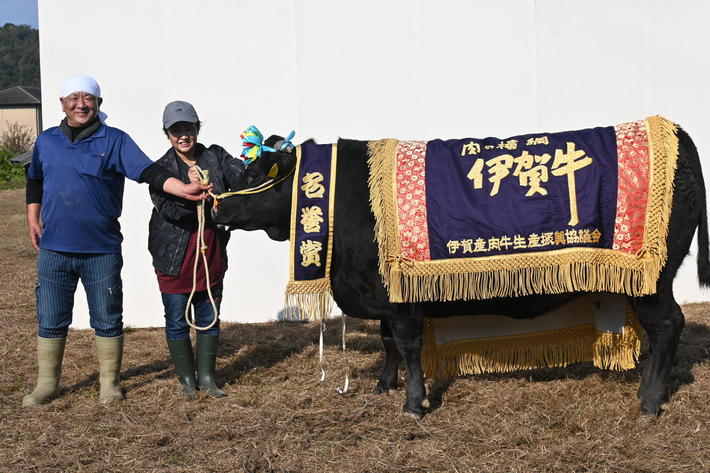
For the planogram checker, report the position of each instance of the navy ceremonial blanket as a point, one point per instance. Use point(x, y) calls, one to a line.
point(582, 210)
point(308, 293)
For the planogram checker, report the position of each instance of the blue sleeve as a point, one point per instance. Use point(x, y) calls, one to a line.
point(35, 169)
point(131, 161)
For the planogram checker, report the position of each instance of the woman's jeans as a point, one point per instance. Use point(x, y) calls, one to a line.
point(176, 327)
point(57, 276)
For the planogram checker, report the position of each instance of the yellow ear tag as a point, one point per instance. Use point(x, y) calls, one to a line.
point(273, 172)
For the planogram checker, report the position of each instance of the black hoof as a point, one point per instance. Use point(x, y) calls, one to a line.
point(652, 408)
point(416, 414)
point(384, 388)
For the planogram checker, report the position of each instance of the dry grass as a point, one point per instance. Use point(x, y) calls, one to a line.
point(278, 417)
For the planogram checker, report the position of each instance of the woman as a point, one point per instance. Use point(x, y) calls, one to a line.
point(172, 241)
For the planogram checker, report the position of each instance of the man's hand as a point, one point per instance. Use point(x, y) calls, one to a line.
point(33, 224)
point(192, 191)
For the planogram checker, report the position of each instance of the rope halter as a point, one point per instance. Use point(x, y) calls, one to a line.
point(200, 249)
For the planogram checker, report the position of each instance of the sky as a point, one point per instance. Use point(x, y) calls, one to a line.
point(19, 12)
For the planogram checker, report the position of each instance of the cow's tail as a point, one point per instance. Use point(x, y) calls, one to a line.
point(703, 257)
point(703, 242)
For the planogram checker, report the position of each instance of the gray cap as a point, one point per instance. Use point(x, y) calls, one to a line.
point(179, 111)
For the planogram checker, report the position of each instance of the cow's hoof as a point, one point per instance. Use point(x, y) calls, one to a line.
point(651, 408)
point(646, 420)
point(413, 415)
point(426, 404)
point(384, 388)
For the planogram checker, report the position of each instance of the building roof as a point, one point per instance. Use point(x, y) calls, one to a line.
point(21, 95)
point(23, 159)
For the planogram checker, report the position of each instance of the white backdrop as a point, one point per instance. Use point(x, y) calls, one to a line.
point(367, 69)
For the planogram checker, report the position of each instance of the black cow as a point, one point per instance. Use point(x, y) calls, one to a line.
point(358, 289)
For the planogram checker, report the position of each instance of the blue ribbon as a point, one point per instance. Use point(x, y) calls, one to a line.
point(253, 144)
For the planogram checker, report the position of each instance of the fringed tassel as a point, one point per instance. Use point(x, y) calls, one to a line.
point(663, 138)
point(565, 275)
point(308, 300)
point(556, 348)
point(619, 351)
point(382, 182)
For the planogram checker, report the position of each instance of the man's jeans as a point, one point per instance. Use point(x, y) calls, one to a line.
point(176, 327)
point(58, 274)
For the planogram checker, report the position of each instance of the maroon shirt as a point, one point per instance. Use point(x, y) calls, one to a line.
point(183, 281)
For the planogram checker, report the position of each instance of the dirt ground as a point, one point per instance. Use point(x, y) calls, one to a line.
point(279, 417)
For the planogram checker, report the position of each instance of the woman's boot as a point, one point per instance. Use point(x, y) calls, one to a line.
point(50, 352)
point(109, 351)
point(181, 354)
point(206, 360)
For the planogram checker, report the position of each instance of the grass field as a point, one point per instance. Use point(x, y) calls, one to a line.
point(279, 417)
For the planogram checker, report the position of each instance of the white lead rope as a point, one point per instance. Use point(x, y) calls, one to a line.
point(200, 248)
point(320, 350)
point(340, 389)
point(344, 389)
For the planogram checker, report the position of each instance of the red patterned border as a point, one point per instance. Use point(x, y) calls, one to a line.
point(634, 172)
point(411, 200)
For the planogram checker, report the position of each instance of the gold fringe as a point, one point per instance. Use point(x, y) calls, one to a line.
point(663, 140)
point(549, 349)
point(308, 300)
point(382, 182)
point(619, 351)
point(549, 272)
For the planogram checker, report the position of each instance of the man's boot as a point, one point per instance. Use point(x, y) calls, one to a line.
point(50, 352)
point(181, 354)
point(206, 359)
point(109, 351)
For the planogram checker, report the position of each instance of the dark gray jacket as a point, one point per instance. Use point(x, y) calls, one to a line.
point(174, 218)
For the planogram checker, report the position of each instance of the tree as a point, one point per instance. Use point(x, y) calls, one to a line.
point(16, 139)
point(19, 56)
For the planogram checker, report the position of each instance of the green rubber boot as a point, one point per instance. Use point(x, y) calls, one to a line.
point(181, 354)
point(109, 351)
point(206, 360)
point(50, 353)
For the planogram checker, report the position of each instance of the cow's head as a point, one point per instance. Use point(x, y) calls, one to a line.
point(263, 195)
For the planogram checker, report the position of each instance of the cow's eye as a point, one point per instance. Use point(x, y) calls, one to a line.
point(251, 179)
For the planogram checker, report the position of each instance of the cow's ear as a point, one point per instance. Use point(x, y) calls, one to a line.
point(274, 141)
point(274, 171)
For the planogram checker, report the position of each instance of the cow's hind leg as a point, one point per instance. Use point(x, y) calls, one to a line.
point(659, 314)
point(661, 317)
point(388, 378)
point(406, 325)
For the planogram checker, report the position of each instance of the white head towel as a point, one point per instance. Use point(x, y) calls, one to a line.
point(83, 83)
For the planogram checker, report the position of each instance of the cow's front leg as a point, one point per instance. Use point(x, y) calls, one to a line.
point(406, 325)
point(388, 378)
point(663, 320)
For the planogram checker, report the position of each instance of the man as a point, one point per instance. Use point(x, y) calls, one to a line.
point(75, 189)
